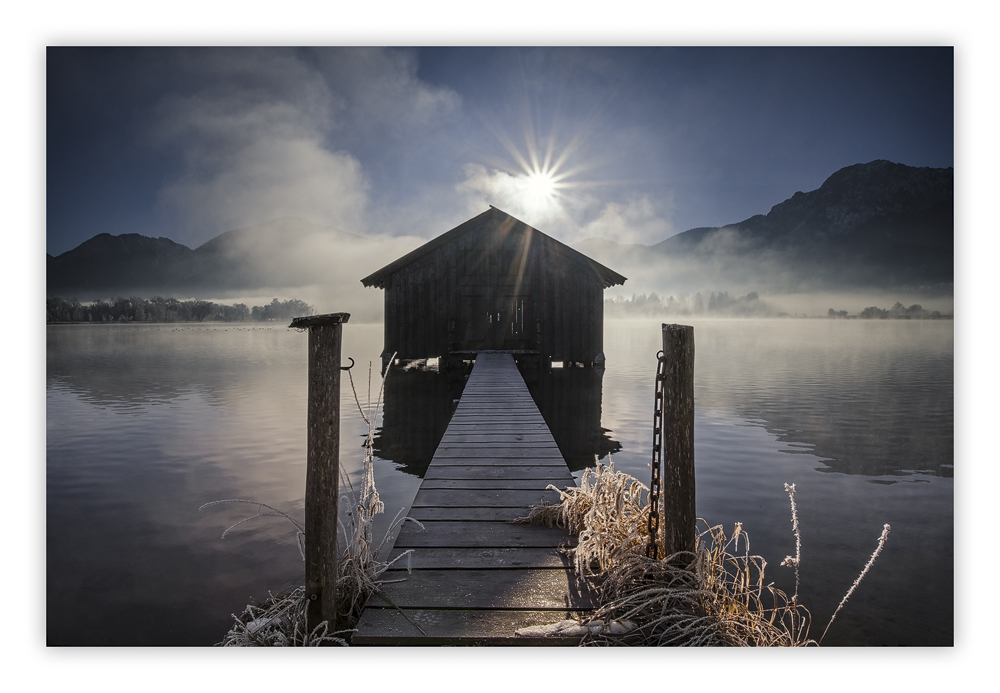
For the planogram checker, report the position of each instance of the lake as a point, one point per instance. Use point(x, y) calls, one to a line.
point(146, 423)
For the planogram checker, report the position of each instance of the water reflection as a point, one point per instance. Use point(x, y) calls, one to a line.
point(419, 403)
point(867, 398)
point(128, 367)
point(570, 402)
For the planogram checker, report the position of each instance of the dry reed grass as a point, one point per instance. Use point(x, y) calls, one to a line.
point(714, 596)
point(280, 620)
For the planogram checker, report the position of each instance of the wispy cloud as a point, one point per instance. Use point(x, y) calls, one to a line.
point(253, 145)
point(263, 134)
point(636, 220)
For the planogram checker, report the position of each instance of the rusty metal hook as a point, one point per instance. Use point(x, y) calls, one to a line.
point(347, 368)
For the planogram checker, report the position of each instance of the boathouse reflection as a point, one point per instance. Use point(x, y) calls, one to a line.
point(419, 401)
point(570, 402)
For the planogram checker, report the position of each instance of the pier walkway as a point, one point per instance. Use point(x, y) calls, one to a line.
point(473, 577)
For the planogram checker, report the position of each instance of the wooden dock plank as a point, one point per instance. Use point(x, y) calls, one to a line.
point(526, 413)
point(469, 557)
point(494, 483)
point(457, 627)
point(482, 498)
point(498, 453)
point(493, 437)
point(466, 427)
point(495, 514)
point(532, 588)
point(478, 534)
point(552, 473)
point(538, 461)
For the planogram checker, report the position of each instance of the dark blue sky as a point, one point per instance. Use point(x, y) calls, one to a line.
point(642, 142)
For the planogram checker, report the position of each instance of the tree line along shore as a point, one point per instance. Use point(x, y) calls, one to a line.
point(721, 305)
point(160, 309)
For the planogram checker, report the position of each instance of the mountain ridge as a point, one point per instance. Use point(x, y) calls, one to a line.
point(879, 224)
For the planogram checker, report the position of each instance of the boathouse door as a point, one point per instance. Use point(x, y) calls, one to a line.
point(494, 321)
point(512, 322)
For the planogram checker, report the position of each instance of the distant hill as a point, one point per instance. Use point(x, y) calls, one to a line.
point(116, 261)
point(876, 225)
point(280, 253)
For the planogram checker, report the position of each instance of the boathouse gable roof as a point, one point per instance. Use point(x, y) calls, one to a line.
point(492, 218)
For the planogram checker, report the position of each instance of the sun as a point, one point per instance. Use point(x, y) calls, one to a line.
point(539, 184)
point(540, 187)
point(541, 190)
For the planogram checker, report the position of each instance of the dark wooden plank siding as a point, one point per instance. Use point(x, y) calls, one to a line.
point(487, 272)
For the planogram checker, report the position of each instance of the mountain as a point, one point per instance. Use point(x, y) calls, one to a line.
point(875, 225)
point(283, 252)
point(117, 261)
point(879, 223)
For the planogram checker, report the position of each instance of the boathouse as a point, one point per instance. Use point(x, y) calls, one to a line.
point(495, 284)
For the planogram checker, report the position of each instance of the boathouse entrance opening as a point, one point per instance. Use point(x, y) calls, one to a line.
point(495, 321)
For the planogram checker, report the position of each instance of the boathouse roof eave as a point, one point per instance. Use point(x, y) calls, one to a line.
point(377, 279)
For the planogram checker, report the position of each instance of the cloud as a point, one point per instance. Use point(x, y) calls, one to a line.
point(251, 140)
point(261, 134)
point(634, 221)
point(382, 94)
point(271, 177)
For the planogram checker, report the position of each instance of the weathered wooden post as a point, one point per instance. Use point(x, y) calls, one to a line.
point(678, 439)
point(322, 465)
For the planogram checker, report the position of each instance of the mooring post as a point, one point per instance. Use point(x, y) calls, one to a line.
point(678, 439)
point(322, 465)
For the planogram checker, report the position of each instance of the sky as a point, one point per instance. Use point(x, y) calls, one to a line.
point(631, 144)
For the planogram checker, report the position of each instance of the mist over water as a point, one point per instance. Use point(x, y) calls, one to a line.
point(145, 423)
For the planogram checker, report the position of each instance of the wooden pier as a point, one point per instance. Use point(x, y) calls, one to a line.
point(473, 577)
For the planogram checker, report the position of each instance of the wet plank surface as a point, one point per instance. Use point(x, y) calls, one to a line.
point(473, 577)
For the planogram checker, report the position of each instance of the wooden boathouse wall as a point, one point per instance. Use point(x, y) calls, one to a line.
point(495, 284)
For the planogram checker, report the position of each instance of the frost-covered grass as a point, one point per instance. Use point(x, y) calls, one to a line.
point(714, 596)
point(279, 621)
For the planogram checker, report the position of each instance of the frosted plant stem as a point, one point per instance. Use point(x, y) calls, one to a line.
point(789, 561)
point(878, 550)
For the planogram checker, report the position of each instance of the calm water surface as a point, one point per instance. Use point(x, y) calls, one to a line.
point(146, 423)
